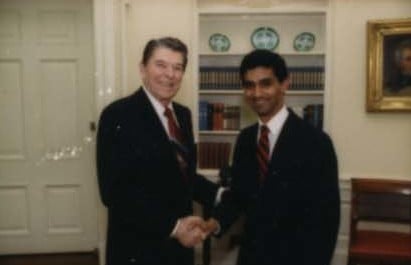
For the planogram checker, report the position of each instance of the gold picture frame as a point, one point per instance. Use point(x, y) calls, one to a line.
point(389, 65)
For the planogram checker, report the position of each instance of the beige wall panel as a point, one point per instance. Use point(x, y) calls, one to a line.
point(10, 25)
point(14, 210)
point(63, 209)
point(59, 84)
point(11, 110)
point(148, 19)
point(57, 26)
point(368, 144)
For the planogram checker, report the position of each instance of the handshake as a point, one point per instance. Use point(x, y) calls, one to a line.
point(192, 230)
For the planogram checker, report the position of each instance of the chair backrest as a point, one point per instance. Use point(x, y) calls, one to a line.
point(380, 200)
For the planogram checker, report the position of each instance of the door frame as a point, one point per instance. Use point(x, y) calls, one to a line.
point(104, 26)
point(110, 60)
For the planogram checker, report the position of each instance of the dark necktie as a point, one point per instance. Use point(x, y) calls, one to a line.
point(177, 141)
point(175, 132)
point(263, 151)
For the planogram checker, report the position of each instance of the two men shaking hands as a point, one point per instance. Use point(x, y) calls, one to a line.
point(193, 230)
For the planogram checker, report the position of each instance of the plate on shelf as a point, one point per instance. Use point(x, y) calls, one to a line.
point(265, 38)
point(219, 42)
point(304, 42)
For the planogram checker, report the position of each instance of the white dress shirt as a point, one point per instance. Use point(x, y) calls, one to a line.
point(275, 124)
point(159, 108)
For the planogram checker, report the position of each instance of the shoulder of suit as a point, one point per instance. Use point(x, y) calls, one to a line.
point(122, 104)
point(182, 110)
point(306, 132)
point(177, 106)
point(249, 130)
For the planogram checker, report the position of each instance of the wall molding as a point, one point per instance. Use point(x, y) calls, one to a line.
point(104, 20)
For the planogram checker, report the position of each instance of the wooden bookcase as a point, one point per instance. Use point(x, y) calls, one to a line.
point(238, 24)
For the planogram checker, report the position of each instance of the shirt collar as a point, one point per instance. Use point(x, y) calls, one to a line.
point(277, 122)
point(158, 107)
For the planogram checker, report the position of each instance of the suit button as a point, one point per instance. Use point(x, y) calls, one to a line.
point(132, 260)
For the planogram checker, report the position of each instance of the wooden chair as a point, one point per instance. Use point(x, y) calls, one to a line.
point(380, 229)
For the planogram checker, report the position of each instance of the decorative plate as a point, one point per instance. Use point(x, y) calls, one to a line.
point(304, 42)
point(219, 42)
point(265, 38)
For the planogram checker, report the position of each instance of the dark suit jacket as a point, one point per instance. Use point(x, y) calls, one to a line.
point(141, 183)
point(293, 218)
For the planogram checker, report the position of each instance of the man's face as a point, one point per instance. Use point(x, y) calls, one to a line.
point(163, 73)
point(406, 61)
point(263, 92)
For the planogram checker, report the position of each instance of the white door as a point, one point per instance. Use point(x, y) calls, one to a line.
point(47, 177)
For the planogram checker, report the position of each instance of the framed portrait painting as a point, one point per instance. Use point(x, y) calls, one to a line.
point(389, 65)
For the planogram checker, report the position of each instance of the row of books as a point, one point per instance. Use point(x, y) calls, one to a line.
point(217, 154)
point(213, 154)
point(219, 78)
point(227, 78)
point(306, 78)
point(218, 116)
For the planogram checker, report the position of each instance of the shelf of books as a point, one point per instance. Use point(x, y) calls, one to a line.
point(224, 38)
point(225, 79)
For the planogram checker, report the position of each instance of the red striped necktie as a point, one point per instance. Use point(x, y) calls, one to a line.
point(177, 138)
point(175, 132)
point(263, 152)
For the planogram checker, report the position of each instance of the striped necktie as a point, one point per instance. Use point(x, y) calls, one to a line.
point(263, 151)
point(178, 142)
point(175, 132)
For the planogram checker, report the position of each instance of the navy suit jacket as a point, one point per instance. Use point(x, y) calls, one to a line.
point(293, 217)
point(141, 183)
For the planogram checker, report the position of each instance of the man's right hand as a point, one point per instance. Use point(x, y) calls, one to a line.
point(189, 231)
point(211, 226)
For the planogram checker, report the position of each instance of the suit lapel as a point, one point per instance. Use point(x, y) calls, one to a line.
point(155, 129)
point(150, 120)
point(251, 150)
point(183, 123)
point(284, 147)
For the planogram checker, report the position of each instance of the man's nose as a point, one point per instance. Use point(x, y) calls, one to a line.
point(257, 91)
point(169, 71)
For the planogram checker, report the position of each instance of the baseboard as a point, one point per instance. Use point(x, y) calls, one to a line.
point(78, 258)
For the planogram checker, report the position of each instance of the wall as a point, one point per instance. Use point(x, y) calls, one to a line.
point(368, 144)
point(148, 19)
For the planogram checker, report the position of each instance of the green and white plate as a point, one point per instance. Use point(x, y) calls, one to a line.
point(219, 42)
point(265, 38)
point(304, 42)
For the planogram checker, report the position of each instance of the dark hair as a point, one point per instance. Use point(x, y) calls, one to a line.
point(264, 58)
point(166, 42)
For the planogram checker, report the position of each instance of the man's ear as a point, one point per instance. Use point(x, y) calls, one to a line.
point(285, 85)
point(142, 70)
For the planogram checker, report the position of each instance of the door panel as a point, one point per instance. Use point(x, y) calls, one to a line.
point(47, 178)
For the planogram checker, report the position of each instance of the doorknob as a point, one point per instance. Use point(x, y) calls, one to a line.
point(92, 126)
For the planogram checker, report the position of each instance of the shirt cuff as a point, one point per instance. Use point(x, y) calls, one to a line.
point(173, 233)
point(218, 196)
